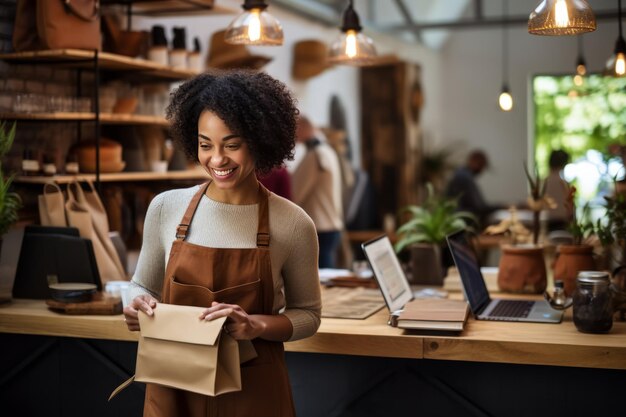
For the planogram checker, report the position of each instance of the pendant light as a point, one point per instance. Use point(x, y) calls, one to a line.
point(616, 65)
point(581, 65)
point(254, 26)
point(561, 17)
point(352, 47)
point(505, 100)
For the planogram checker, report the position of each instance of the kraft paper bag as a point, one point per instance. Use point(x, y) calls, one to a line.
point(52, 206)
point(178, 350)
point(85, 211)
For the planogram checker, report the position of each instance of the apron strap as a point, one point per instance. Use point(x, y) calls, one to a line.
point(183, 227)
point(263, 228)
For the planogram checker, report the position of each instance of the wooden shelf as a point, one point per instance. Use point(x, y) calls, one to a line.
point(195, 174)
point(79, 58)
point(172, 7)
point(105, 118)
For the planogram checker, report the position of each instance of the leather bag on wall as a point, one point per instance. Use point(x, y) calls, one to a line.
point(57, 24)
point(178, 350)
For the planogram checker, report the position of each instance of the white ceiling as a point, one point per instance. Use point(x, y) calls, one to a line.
point(429, 22)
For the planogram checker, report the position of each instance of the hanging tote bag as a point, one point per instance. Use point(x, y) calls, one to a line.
point(52, 206)
point(85, 211)
point(57, 24)
point(178, 350)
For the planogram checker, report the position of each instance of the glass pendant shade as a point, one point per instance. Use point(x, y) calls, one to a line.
point(254, 27)
point(352, 47)
point(561, 17)
point(505, 100)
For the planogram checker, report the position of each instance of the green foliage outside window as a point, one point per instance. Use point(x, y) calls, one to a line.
point(578, 119)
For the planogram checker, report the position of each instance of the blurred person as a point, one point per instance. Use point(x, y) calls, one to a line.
point(317, 189)
point(558, 190)
point(464, 187)
point(278, 181)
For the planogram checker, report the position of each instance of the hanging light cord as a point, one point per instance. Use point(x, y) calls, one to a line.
point(505, 42)
point(619, 16)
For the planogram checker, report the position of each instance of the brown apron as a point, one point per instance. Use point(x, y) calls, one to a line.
point(197, 275)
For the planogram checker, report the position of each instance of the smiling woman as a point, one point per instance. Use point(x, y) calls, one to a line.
point(230, 245)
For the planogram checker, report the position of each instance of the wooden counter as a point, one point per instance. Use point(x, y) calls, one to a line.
point(482, 341)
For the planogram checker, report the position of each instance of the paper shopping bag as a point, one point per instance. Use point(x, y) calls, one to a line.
point(178, 350)
point(52, 206)
point(85, 212)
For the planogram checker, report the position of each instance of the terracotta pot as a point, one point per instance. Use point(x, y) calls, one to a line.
point(571, 259)
point(426, 264)
point(522, 269)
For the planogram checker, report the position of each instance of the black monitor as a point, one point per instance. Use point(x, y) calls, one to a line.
point(53, 251)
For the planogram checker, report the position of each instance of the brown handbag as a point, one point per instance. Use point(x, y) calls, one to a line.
point(59, 24)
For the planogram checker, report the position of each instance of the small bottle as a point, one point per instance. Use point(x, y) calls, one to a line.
point(194, 61)
point(30, 164)
point(178, 54)
point(158, 46)
point(559, 297)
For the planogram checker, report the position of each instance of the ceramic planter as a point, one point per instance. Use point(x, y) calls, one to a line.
point(522, 269)
point(570, 260)
point(426, 263)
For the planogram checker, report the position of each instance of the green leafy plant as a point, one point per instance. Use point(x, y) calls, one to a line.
point(433, 221)
point(581, 228)
point(10, 202)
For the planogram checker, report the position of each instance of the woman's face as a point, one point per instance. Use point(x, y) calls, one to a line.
point(223, 154)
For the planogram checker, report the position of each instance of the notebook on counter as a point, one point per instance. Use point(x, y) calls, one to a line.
point(406, 311)
point(482, 305)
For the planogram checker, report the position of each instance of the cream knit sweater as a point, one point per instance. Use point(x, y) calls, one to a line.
point(293, 248)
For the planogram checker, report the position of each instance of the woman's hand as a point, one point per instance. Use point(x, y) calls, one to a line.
point(239, 324)
point(145, 303)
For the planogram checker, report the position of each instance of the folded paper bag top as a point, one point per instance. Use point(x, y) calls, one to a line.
point(178, 350)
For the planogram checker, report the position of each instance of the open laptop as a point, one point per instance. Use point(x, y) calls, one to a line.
point(389, 274)
point(482, 305)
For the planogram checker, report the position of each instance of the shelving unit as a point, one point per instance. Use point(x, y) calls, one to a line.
point(195, 174)
point(84, 59)
point(105, 118)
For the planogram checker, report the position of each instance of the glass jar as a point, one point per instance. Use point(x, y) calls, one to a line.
point(593, 307)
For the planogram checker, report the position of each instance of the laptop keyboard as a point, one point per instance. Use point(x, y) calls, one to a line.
point(512, 308)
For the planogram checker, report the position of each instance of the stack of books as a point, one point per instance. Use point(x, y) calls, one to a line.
point(433, 314)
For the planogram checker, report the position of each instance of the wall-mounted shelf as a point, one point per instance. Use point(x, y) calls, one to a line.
point(105, 118)
point(79, 58)
point(171, 7)
point(194, 174)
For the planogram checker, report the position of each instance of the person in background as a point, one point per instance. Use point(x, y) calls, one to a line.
point(463, 186)
point(229, 245)
point(559, 190)
point(278, 181)
point(317, 189)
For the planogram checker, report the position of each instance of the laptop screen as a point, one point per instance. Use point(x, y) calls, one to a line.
point(469, 269)
point(388, 272)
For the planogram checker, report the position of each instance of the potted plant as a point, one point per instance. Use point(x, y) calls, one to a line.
point(424, 233)
point(10, 202)
point(522, 267)
point(578, 256)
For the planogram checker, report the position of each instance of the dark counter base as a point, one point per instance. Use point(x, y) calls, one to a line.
point(61, 377)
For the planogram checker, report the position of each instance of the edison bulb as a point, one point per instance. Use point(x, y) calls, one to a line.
point(505, 101)
point(578, 80)
point(351, 49)
point(620, 64)
point(561, 16)
point(254, 25)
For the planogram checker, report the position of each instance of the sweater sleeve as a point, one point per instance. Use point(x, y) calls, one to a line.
point(301, 280)
point(148, 277)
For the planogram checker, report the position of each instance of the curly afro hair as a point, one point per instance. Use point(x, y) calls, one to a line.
point(253, 105)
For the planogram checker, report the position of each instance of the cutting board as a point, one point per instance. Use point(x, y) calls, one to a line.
point(99, 305)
